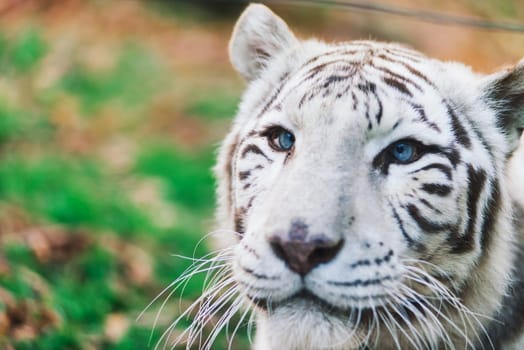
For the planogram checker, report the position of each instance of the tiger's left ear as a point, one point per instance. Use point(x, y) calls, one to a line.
point(259, 36)
point(504, 92)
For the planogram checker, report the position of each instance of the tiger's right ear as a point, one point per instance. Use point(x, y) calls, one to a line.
point(504, 92)
point(258, 36)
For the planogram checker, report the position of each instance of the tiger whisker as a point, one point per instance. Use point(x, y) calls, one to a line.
point(248, 310)
point(463, 311)
point(408, 322)
point(214, 264)
point(391, 330)
point(207, 309)
point(434, 312)
point(177, 283)
point(250, 326)
point(422, 319)
point(414, 342)
point(233, 309)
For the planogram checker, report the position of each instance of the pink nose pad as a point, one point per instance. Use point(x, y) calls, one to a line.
point(303, 255)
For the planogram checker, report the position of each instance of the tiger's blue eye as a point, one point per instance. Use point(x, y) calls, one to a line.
point(403, 152)
point(286, 140)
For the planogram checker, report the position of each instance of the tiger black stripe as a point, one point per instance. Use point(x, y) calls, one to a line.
point(458, 129)
point(422, 114)
point(398, 85)
point(274, 96)
point(427, 204)
point(250, 202)
point(441, 167)
point(252, 148)
point(306, 97)
point(316, 70)
point(370, 87)
point(239, 221)
point(398, 77)
point(271, 100)
point(437, 189)
point(477, 181)
point(244, 174)
point(397, 123)
point(355, 100)
point(342, 52)
point(380, 111)
point(367, 87)
point(417, 246)
point(366, 113)
point(410, 68)
point(482, 139)
point(332, 79)
point(453, 156)
point(249, 249)
point(404, 55)
point(490, 215)
point(424, 223)
point(323, 86)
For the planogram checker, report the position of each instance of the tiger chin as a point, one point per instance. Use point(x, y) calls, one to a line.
point(368, 189)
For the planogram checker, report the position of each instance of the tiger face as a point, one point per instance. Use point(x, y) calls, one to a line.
point(366, 185)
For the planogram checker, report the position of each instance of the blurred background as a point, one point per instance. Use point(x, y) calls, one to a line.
point(110, 116)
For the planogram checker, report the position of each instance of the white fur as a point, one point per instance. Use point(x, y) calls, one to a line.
point(330, 177)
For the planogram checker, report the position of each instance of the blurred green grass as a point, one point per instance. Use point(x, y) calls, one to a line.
point(69, 191)
point(181, 171)
point(136, 76)
point(22, 53)
point(88, 240)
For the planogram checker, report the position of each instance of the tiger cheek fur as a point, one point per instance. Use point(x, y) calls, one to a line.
point(366, 185)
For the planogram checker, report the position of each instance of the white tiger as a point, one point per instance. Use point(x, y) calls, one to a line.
point(367, 187)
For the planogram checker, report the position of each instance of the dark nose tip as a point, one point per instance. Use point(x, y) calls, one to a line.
point(303, 256)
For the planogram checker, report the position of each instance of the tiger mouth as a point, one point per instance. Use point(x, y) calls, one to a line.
point(304, 297)
point(309, 300)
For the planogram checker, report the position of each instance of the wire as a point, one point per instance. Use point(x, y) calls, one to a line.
point(423, 15)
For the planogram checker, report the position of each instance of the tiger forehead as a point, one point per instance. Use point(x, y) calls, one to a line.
point(338, 72)
point(357, 55)
point(361, 77)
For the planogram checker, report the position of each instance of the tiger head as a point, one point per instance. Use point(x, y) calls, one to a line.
point(366, 185)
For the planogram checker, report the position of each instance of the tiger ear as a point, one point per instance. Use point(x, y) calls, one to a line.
point(258, 36)
point(504, 92)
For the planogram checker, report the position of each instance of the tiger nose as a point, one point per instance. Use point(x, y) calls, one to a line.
point(302, 255)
